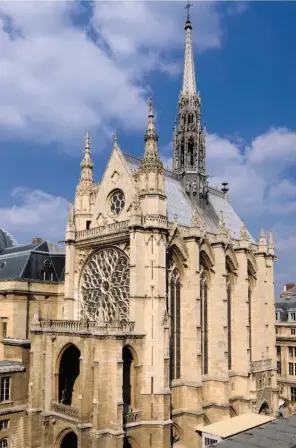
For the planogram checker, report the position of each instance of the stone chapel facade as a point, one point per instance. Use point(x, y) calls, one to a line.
point(168, 314)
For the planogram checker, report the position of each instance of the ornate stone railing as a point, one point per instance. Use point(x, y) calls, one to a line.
point(155, 221)
point(131, 417)
point(69, 411)
point(102, 230)
point(79, 326)
point(263, 364)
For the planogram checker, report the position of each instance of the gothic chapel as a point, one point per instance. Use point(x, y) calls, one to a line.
point(167, 317)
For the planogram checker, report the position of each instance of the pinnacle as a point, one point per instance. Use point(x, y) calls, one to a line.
point(151, 138)
point(86, 164)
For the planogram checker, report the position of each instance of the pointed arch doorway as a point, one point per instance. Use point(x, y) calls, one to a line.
point(69, 441)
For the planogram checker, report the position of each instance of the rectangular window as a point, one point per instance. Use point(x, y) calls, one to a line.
point(291, 368)
point(291, 352)
point(4, 424)
point(5, 388)
point(278, 350)
point(276, 331)
point(293, 393)
point(4, 327)
point(292, 317)
point(277, 316)
point(209, 442)
point(293, 331)
point(88, 223)
point(279, 367)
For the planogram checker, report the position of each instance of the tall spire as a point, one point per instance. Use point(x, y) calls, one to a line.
point(86, 164)
point(151, 138)
point(189, 84)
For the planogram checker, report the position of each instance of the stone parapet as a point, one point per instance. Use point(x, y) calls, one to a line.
point(258, 366)
point(81, 327)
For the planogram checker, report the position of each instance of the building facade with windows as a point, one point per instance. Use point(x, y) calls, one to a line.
point(167, 319)
point(31, 280)
point(285, 324)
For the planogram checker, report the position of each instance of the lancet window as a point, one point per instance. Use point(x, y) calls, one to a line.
point(204, 321)
point(250, 298)
point(229, 317)
point(174, 305)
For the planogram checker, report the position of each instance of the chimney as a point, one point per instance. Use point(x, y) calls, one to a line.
point(289, 286)
point(36, 241)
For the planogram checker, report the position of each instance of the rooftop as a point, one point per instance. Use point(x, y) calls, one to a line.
point(235, 425)
point(280, 433)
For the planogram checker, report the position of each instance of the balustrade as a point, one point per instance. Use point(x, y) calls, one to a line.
point(80, 326)
point(132, 417)
point(61, 408)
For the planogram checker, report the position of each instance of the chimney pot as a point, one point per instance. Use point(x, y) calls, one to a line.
point(36, 241)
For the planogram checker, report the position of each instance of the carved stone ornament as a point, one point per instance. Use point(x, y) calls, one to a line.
point(195, 219)
point(104, 287)
point(81, 256)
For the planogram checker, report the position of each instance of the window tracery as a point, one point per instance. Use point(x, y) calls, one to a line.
point(105, 285)
point(117, 202)
point(174, 305)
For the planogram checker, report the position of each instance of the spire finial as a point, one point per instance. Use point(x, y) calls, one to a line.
point(86, 164)
point(270, 243)
point(262, 241)
point(188, 6)
point(115, 140)
point(189, 84)
point(151, 138)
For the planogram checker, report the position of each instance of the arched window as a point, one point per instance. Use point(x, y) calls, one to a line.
point(129, 381)
point(228, 292)
point(182, 154)
point(250, 318)
point(204, 322)
point(191, 153)
point(68, 375)
point(174, 303)
point(4, 443)
point(190, 118)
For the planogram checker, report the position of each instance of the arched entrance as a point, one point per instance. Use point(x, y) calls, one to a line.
point(128, 383)
point(68, 375)
point(69, 441)
point(264, 409)
point(126, 443)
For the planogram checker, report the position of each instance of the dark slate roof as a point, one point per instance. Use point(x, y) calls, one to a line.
point(6, 240)
point(284, 305)
point(280, 433)
point(30, 261)
point(179, 204)
point(8, 363)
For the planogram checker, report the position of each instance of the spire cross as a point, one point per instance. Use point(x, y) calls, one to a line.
point(188, 6)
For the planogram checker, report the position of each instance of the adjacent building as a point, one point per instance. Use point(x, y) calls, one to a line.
point(31, 280)
point(285, 326)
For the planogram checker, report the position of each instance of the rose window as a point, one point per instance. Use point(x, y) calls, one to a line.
point(117, 202)
point(105, 287)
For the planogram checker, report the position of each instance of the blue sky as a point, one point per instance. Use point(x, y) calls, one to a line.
point(71, 67)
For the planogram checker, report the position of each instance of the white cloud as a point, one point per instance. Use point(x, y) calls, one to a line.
point(260, 190)
point(56, 82)
point(34, 213)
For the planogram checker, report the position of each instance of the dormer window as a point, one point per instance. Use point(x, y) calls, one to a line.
point(278, 315)
point(292, 316)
